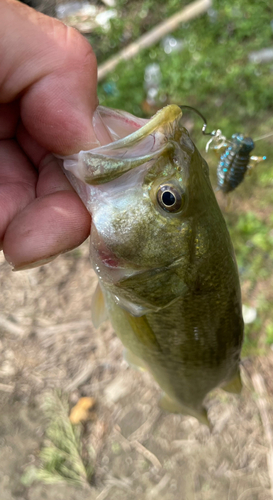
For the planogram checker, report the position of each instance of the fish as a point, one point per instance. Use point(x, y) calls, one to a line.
point(167, 273)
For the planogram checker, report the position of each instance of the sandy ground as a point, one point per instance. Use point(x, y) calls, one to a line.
point(139, 452)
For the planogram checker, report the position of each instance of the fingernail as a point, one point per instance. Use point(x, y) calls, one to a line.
point(32, 265)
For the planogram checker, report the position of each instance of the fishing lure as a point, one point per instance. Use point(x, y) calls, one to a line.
point(235, 160)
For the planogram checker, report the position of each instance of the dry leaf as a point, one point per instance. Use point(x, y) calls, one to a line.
point(80, 412)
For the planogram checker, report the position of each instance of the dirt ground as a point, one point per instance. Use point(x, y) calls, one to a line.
point(140, 452)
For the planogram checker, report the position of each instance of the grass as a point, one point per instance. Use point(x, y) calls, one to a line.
point(61, 459)
point(212, 71)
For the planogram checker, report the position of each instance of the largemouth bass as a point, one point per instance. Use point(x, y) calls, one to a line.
point(163, 255)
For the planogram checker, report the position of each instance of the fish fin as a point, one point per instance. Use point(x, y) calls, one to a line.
point(98, 307)
point(133, 360)
point(142, 330)
point(234, 385)
point(168, 404)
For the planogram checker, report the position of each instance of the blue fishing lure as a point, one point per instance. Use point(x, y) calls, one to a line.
point(235, 159)
point(233, 163)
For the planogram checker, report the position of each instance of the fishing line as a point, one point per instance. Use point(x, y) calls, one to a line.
point(214, 132)
point(263, 137)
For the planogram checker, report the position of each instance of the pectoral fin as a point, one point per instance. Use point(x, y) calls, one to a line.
point(98, 307)
point(234, 385)
point(133, 360)
point(143, 331)
point(168, 404)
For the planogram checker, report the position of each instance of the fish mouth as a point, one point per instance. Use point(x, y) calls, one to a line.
point(124, 142)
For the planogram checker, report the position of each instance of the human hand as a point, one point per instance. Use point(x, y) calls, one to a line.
point(47, 100)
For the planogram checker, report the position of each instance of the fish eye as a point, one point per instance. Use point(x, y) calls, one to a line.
point(170, 198)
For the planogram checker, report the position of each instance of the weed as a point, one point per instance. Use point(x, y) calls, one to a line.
point(61, 456)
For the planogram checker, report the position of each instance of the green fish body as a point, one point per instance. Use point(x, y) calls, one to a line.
point(163, 255)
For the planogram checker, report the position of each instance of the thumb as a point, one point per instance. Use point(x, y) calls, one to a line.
point(53, 70)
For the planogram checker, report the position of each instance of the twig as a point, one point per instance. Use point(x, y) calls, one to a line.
point(146, 453)
point(124, 483)
point(154, 35)
point(244, 494)
point(179, 444)
point(141, 433)
point(6, 387)
point(83, 375)
point(125, 444)
point(96, 386)
point(138, 447)
point(63, 327)
point(11, 327)
point(262, 403)
point(160, 486)
point(103, 494)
